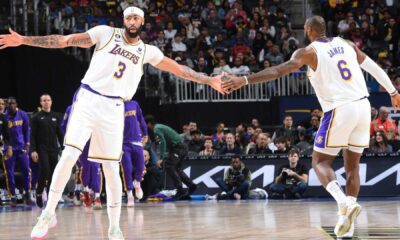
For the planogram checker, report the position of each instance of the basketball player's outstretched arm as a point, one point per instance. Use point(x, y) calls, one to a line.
point(302, 56)
point(377, 72)
point(182, 71)
point(14, 39)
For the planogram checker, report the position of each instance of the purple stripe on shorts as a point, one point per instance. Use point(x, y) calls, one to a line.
point(320, 138)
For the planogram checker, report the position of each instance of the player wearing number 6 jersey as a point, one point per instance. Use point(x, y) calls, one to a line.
point(98, 111)
point(335, 73)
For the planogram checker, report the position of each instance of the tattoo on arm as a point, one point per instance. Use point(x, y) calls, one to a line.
point(79, 42)
point(188, 73)
point(52, 41)
point(58, 41)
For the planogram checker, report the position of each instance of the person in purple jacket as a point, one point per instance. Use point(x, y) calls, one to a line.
point(18, 125)
point(135, 135)
point(88, 173)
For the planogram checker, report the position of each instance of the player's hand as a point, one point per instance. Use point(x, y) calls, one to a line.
point(216, 82)
point(34, 156)
point(396, 102)
point(10, 40)
point(9, 152)
point(231, 82)
point(159, 163)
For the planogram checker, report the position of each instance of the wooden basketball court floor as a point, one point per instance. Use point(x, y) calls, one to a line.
point(273, 219)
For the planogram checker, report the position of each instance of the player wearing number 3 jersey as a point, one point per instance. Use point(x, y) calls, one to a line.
point(98, 111)
point(335, 73)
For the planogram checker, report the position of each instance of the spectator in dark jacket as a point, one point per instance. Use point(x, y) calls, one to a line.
point(261, 145)
point(230, 146)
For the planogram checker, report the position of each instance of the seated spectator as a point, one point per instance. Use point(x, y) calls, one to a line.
point(286, 130)
point(170, 31)
point(393, 140)
point(208, 148)
point(291, 179)
point(383, 122)
point(202, 66)
point(236, 182)
point(312, 131)
point(230, 147)
point(196, 143)
point(281, 145)
point(374, 113)
point(160, 41)
point(275, 57)
point(303, 145)
point(239, 68)
point(222, 67)
point(178, 45)
point(240, 139)
point(314, 112)
point(151, 183)
point(261, 145)
point(379, 143)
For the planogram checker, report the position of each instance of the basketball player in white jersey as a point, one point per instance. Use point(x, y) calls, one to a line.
point(335, 73)
point(98, 112)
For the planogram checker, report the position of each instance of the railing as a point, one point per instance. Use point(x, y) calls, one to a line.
point(289, 85)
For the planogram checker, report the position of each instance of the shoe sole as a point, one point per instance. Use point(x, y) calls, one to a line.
point(352, 216)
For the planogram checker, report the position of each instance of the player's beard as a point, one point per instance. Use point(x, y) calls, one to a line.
point(135, 34)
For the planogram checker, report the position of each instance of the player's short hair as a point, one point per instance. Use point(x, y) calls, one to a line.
point(317, 23)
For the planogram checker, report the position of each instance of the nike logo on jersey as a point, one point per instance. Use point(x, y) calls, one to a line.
point(118, 50)
point(118, 104)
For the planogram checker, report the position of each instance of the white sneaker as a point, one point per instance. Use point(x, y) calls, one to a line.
point(138, 189)
point(131, 202)
point(45, 222)
point(347, 216)
point(350, 233)
point(115, 233)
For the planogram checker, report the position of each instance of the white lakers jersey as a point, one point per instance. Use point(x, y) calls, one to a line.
point(338, 78)
point(117, 65)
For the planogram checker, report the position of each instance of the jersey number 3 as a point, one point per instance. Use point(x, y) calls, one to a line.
point(121, 68)
point(344, 71)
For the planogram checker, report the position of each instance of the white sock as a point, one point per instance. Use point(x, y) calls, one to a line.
point(61, 175)
point(350, 200)
point(129, 193)
point(114, 192)
point(337, 193)
point(87, 189)
point(96, 195)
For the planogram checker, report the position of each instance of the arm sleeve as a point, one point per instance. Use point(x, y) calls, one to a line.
point(33, 133)
point(143, 125)
point(101, 35)
point(6, 132)
point(153, 55)
point(26, 129)
point(226, 175)
point(378, 73)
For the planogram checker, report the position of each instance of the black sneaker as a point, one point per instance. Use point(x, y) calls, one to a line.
point(192, 188)
point(27, 198)
point(180, 194)
point(13, 202)
point(39, 200)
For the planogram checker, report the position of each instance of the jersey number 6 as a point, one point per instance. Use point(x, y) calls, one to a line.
point(121, 68)
point(344, 71)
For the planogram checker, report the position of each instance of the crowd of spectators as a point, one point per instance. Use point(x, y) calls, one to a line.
point(252, 138)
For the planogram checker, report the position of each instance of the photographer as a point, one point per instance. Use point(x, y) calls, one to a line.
point(292, 179)
point(236, 182)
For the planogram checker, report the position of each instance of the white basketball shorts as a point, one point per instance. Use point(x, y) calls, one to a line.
point(100, 119)
point(346, 126)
